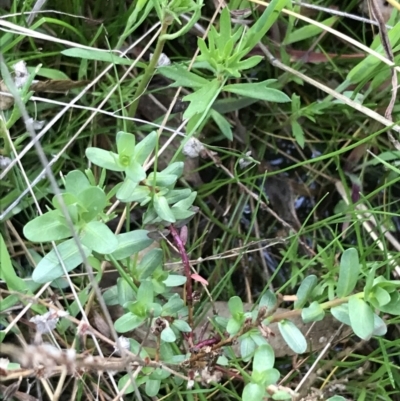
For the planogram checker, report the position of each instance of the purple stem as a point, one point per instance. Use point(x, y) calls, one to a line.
point(186, 266)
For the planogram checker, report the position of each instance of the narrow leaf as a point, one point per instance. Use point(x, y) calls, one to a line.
point(258, 91)
point(7, 272)
point(95, 54)
point(182, 77)
point(50, 267)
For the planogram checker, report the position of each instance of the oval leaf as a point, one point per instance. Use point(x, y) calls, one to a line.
point(152, 387)
point(293, 336)
point(98, 237)
point(51, 226)
point(131, 243)
point(104, 158)
point(162, 209)
point(341, 313)
point(264, 358)
point(128, 322)
point(168, 335)
point(253, 392)
point(314, 313)
point(304, 292)
point(125, 143)
point(348, 272)
point(361, 318)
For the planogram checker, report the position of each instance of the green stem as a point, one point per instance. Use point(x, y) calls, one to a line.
point(326, 305)
point(149, 72)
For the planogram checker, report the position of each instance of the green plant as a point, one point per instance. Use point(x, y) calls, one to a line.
point(225, 57)
point(144, 288)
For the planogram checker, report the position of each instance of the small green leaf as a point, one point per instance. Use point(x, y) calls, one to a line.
point(308, 31)
point(182, 77)
point(125, 292)
point(258, 91)
point(341, 313)
point(162, 208)
point(144, 148)
point(175, 169)
point(135, 172)
point(222, 124)
point(248, 63)
point(125, 143)
point(253, 392)
point(361, 318)
point(131, 243)
point(201, 99)
point(7, 272)
point(145, 293)
point(50, 268)
point(152, 387)
point(76, 182)
point(187, 202)
point(263, 24)
point(304, 292)
point(348, 272)
point(140, 194)
point(380, 328)
point(98, 237)
point(314, 313)
point(293, 336)
point(298, 133)
point(51, 226)
point(381, 295)
point(94, 200)
point(393, 307)
point(268, 300)
point(181, 214)
point(336, 398)
point(174, 305)
point(247, 348)
point(126, 190)
point(128, 322)
point(234, 325)
point(264, 358)
point(176, 195)
point(104, 158)
point(149, 263)
point(159, 374)
point(161, 179)
point(96, 54)
point(174, 280)
point(235, 305)
point(168, 335)
point(181, 325)
point(8, 302)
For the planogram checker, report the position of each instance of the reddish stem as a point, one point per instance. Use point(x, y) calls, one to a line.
point(186, 267)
